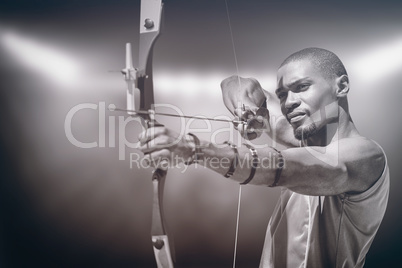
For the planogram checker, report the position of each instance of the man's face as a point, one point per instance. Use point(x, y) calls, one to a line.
point(307, 97)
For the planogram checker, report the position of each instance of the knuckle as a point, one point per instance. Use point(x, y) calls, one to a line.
point(165, 153)
point(165, 140)
point(164, 131)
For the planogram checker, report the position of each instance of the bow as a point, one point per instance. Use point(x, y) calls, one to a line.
point(140, 83)
point(140, 88)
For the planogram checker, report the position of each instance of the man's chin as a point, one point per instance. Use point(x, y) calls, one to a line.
point(305, 132)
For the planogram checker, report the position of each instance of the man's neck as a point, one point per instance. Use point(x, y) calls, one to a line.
point(331, 132)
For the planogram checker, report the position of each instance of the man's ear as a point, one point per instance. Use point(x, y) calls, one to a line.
point(342, 83)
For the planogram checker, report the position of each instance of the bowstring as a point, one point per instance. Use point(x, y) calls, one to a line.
point(238, 77)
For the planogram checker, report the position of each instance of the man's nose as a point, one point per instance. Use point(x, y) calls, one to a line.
point(292, 101)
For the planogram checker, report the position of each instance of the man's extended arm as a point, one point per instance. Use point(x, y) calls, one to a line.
point(347, 165)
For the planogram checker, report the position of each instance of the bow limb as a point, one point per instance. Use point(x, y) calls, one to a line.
point(150, 28)
point(160, 241)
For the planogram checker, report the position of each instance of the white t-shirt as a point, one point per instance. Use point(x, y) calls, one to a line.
point(324, 231)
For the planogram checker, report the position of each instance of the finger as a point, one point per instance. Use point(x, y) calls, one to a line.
point(254, 109)
point(249, 105)
point(155, 144)
point(238, 111)
point(262, 111)
point(241, 129)
point(243, 113)
point(151, 133)
point(141, 137)
point(246, 115)
point(262, 116)
point(146, 148)
point(251, 135)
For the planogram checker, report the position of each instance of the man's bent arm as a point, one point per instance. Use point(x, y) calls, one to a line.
point(280, 129)
point(251, 94)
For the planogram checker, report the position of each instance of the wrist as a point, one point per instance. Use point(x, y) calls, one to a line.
point(234, 162)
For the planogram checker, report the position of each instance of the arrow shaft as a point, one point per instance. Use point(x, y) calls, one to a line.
point(142, 112)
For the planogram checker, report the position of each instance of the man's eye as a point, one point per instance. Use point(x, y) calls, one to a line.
point(303, 86)
point(282, 95)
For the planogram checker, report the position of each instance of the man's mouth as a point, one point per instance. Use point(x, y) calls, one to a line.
point(295, 116)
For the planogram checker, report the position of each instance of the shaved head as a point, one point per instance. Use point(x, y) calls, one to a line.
point(324, 60)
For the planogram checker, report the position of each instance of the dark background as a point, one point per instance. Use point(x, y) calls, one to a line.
point(64, 206)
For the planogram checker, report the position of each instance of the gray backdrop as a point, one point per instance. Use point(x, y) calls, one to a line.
point(71, 207)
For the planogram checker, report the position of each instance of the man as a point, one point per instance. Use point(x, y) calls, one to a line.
point(334, 181)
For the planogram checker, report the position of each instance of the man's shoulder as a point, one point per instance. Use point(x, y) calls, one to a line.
point(362, 147)
point(365, 161)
